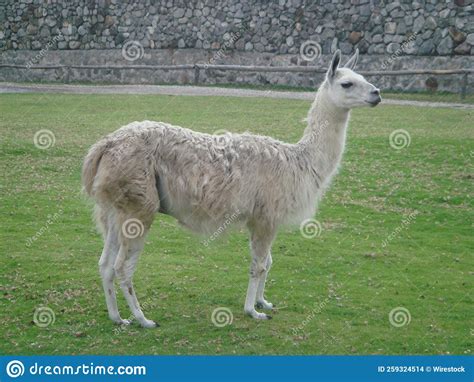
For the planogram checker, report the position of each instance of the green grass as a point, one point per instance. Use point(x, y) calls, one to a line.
point(426, 268)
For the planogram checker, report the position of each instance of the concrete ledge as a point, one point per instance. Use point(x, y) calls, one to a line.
point(451, 83)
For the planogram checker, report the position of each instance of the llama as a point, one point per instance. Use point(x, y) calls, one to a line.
point(148, 167)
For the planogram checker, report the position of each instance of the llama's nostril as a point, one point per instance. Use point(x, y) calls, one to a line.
point(376, 92)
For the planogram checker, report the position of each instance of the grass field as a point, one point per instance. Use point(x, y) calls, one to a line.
point(397, 232)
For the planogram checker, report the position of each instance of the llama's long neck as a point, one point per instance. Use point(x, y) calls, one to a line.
point(324, 138)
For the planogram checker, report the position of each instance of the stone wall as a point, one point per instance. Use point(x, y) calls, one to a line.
point(390, 35)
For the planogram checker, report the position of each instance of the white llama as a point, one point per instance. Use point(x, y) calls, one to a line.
point(200, 179)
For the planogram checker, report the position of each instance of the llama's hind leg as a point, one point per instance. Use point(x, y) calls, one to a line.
point(261, 302)
point(107, 272)
point(124, 267)
point(260, 250)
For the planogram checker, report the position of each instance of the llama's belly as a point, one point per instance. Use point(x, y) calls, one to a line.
point(300, 213)
point(198, 206)
point(203, 225)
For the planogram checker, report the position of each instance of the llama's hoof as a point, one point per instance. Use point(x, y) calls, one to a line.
point(258, 315)
point(149, 324)
point(264, 305)
point(120, 321)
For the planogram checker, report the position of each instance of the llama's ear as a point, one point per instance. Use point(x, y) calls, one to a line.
point(353, 60)
point(336, 59)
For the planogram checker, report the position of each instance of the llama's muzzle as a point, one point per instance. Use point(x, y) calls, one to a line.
point(375, 97)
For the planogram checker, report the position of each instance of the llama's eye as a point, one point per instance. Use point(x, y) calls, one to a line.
point(346, 85)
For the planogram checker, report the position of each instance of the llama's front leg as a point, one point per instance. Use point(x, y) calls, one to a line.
point(261, 302)
point(124, 268)
point(251, 296)
point(260, 249)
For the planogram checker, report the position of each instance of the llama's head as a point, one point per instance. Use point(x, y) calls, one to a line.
point(348, 89)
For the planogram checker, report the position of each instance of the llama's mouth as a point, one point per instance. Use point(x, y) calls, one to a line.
point(374, 103)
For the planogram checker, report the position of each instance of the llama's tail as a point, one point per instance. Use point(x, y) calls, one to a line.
point(91, 164)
